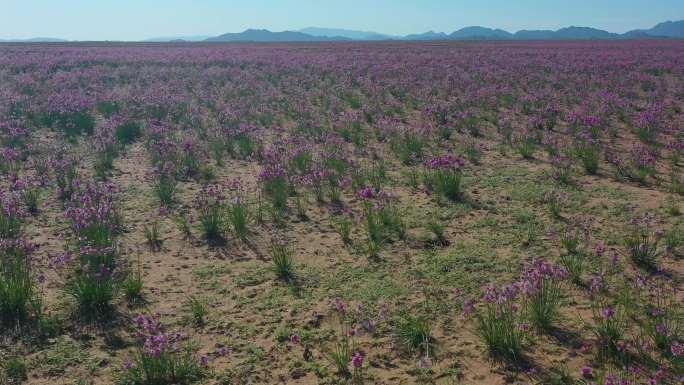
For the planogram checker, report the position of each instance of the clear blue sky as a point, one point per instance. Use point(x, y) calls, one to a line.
point(140, 19)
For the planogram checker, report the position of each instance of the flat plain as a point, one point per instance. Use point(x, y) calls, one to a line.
point(342, 213)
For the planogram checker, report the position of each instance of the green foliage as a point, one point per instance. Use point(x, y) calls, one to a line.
point(415, 333)
point(15, 371)
point(168, 368)
point(128, 132)
point(283, 263)
point(19, 296)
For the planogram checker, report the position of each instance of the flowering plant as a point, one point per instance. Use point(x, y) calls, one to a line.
point(643, 241)
point(501, 324)
point(210, 206)
point(162, 357)
point(541, 286)
point(444, 174)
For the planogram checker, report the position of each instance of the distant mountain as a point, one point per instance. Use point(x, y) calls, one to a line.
point(480, 33)
point(672, 29)
point(666, 30)
point(534, 35)
point(641, 35)
point(35, 40)
point(430, 35)
point(583, 33)
point(347, 33)
point(176, 38)
point(263, 35)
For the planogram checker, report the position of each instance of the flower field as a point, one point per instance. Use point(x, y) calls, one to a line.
point(342, 213)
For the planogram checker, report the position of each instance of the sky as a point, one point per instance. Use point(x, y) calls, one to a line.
point(142, 19)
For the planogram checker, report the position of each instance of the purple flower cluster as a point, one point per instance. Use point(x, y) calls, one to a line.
point(93, 206)
point(536, 275)
point(446, 162)
point(651, 119)
point(69, 101)
point(156, 340)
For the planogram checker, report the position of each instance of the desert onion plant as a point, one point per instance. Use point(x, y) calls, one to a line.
point(282, 260)
point(555, 201)
point(210, 206)
point(164, 184)
point(20, 297)
point(561, 170)
point(93, 215)
point(414, 332)
point(153, 236)
point(275, 187)
point(94, 281)
point(643, 241)
point(238, 211)
point(11, 215)
point(344, 227)
point(163, 358)
point(526, 145)
point(444, 175)
point(30, 189)
point(94, 276)
point(409, 146)
point(66, 176)
point(381, 218)
point(609, 326)
point(588, 150)
point(542, 289)
point(501, 323)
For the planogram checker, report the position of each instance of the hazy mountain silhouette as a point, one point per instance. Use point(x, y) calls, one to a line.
point(263, 35)
point(430, 35)
point(480, 33)
point(666, 30)
point(348, 33)
point(176, 38)
point(663, 30)
point(534, 34)
point(584, 33)
point(672, 29)
point(34, 40)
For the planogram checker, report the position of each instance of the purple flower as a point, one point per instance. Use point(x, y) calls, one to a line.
point(587, 372)
point(600, 249)
point(128, 365)
point(677, 349)
point(468, 307)
point(367, 193)
point(295, 339)
point(446, 162)
point(357, 360)
point(341, 306)
point(608, 313)
point(661, 329)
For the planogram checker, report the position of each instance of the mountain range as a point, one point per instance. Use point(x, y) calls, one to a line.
point(34, 40)
point(264, 35)
point(177, 38)
point(666, 30)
